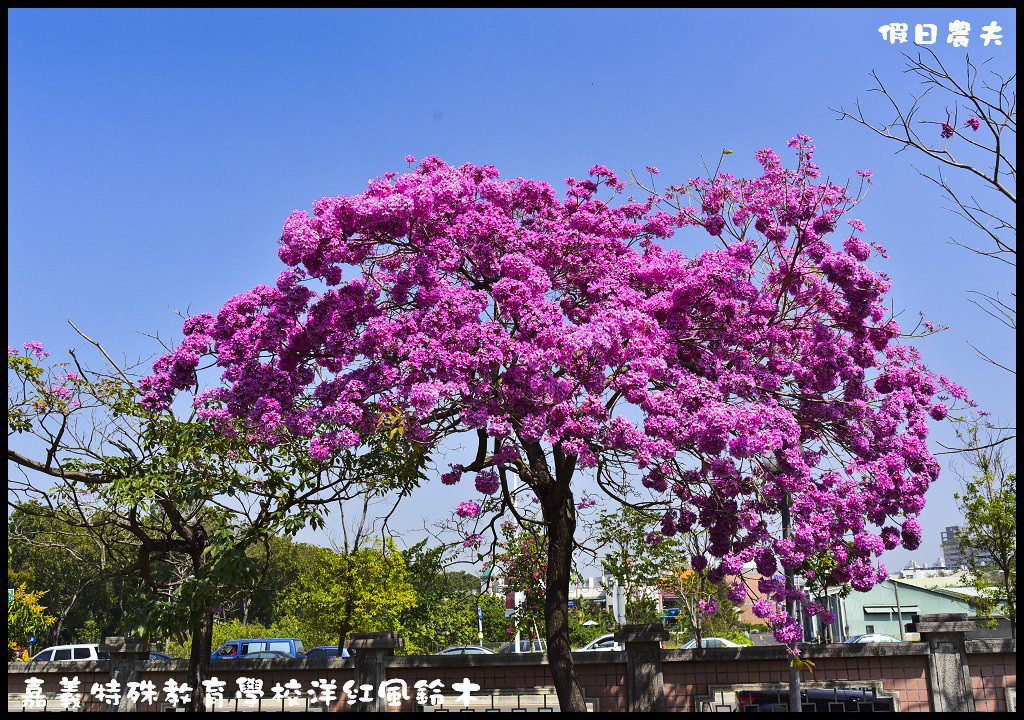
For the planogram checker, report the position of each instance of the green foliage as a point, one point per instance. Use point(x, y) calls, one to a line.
point(632, 561)
point(522, 560)
point(496, 623)
point(88, 632)
point(642, 610)
point(337, 594)
point(194, 507)
point(692, 587)
point(988, 537)
point(84, 583)
point(445, 610)
point(25, 617)
point(226, 630)
point(738, 637)
point(282, 561)
point(583, 612)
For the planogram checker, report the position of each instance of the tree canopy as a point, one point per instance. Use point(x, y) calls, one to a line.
point(761, 377)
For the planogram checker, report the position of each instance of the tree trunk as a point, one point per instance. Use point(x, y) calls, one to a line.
point(560, 518)
point(53, 633)
point(1010, 606)
point(199, 660)
point(698, 615)
point(345, 626)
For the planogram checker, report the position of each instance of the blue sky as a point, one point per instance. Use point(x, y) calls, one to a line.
point(153, 156)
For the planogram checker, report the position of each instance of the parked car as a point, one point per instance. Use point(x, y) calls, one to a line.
point(160, 656)
point(466, 650)
point(525, 646)
point(710, 643)
point(266, 655)
point(871, 638)
point(240, 648)
point(823, 699)
point(63, 653)
point(328, 651)
point(605, 642)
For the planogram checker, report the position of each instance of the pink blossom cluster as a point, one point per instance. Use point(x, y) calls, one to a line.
point(708, 607)
point(468, 510)
point(35, 348)
point(766, 367)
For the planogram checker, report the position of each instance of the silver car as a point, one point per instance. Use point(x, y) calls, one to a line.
point(710, 643)
point(871, 638)
point(605, 642)
point(466, 650)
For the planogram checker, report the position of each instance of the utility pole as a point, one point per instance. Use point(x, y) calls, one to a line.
point(515, 595)
point(899, 608)
point(792, 611)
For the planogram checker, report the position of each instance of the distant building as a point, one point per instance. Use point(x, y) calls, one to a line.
point(951, 552)
point(885, 608)
point(592, 590)
point(915, 570)
point(890, 605)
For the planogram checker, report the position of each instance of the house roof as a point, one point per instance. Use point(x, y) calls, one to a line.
point(954, 580)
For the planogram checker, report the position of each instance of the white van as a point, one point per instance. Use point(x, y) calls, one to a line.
point(61, 653)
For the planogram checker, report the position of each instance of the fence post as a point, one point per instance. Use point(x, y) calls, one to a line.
point(645, 682)
point(371, 649)
point(127, 657)
point(949, 678)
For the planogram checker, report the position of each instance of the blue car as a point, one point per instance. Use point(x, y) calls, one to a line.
point(240, 648)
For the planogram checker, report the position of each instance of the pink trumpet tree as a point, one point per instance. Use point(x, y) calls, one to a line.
point(759, 378)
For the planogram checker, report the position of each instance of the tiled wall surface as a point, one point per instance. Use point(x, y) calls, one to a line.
point(991, 674)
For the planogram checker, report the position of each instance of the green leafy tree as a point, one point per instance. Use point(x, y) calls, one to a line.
point(362, 591)
point(176, 501)
point(445, 611)
point(51, 553)
point(988, 537)
point(636, 564)
point(226, 630)
point(707, 610)
point(283, 561)
point(495, 622)
point(589, 621)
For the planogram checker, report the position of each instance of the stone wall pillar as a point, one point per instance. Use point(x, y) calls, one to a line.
point(645, 682)
point(127, 657)
point(949, 678)
point(371, 649)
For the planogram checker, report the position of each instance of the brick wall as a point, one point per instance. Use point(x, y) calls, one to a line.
point(991, 674)
point(901, 668)
point(603, 674)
